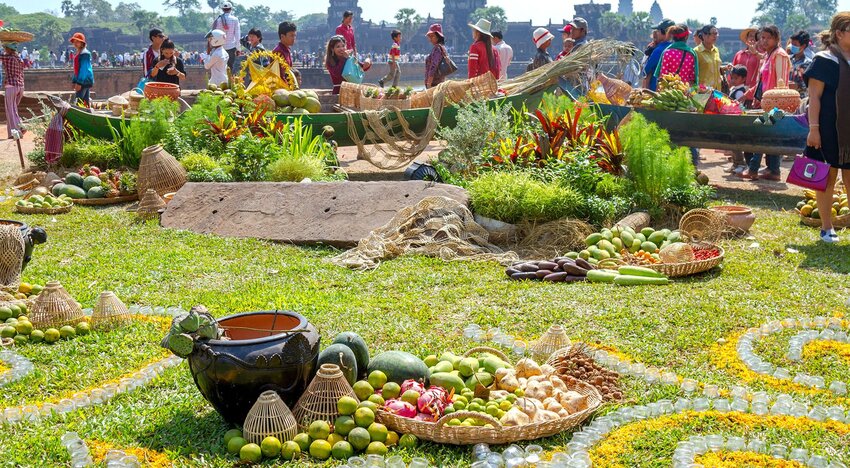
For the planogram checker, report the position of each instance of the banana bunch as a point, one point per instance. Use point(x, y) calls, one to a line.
point(639, 95)
point(671, 81)
point(809, 194)
point(671, 100)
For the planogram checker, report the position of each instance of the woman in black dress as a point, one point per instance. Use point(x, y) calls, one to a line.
point(828, 80)
point(169, 69)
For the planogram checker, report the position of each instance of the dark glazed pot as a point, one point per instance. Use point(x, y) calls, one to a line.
point(32, 237)
point(269, 350)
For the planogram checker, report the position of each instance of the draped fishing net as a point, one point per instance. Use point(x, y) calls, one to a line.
point(11, 257)
point(436, 227)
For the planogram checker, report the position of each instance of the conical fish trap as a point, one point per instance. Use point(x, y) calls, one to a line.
point(269, 417)
point(554, 339)
point(318, 403)
point(701, 225)
point(150, 205)
point(159, 170)
point(54, 308)
point(109, 312)
point(11, 257)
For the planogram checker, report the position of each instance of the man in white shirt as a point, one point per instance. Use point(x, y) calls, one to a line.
point(228, 23)
point(506, 53)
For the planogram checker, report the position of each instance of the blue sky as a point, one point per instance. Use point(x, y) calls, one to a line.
point(731, 13)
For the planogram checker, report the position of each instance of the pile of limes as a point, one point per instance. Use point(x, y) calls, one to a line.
point(16, 326)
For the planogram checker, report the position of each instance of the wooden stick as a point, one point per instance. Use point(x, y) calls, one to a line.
point(20, 153)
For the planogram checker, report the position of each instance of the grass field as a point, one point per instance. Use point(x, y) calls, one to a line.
point(418, 305)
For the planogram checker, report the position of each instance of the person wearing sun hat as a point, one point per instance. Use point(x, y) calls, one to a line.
point(83, 78)
point(433, 77)
point(750, 57)
point(13, 83)
point(483, 57)
point(578, 31)
point(542, 40)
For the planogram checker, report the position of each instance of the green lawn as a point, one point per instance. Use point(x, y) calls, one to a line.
point(415, 304)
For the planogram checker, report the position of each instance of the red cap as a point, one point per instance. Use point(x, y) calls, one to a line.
point(436, 29)
point(78, 37)
point(567, 29)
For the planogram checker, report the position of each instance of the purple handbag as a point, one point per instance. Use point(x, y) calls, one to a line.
point(809, 173)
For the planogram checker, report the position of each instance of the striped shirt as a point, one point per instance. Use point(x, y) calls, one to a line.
point(230, 25)
point(13, 70)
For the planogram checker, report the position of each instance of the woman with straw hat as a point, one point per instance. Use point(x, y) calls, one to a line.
point(749, 56)
point(483, 57)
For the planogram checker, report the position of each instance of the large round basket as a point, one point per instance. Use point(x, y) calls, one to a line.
point(677, 270)
point(15, 36)
point(441, 433)
point(702, 225)
point(154, 90)
point(160, 171)
point(54, 307)
point(48, 211)
point(107, 201)
point(838, 221)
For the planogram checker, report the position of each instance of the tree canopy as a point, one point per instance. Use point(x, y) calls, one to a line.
point(496, 15)
point(793, 15)
point(408, 21)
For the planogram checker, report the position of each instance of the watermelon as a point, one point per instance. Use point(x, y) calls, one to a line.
point(399, 366)
point(75, 192)
point(58, 189)
point(342, 356)
point(75, 179)
point(96, 192)
point(90, 182)
point(358, 347)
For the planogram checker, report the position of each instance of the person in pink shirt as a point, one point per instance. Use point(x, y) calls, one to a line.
point(346, 30)
point(749, 56)
point(483, 57)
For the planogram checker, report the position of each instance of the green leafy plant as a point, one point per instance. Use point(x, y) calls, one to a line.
point(296, 169)
point(36, 158)
point(90, 151)
point(147, 128)
point(476, 134)
point(514, 196)
point(201, 167)
point(248, 157)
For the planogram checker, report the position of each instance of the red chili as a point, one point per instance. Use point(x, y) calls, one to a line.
point(705, 254)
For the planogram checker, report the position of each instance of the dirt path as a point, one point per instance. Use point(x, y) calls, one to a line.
point(10, 165)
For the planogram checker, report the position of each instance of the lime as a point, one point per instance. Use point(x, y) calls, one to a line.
point(23, 328)
point(319, 430)
point(359, 438)
point(410, 396)
point(410, 441)
point(390, 390)
point(23, 318)
point(303, 441)
point(333, 438)
point(23, 307)
point(67, 332)
point(342, 450)
point(251, 453)
point(368, 404)
point(36, 289)
point(377, 379)
point(376, 448)
point(376, 399)
point(378, 432)
point(392, 438)
point(37, 336)
point(290, 450)
point(16, 310)
point(83, 328)
point(431, 360)
point(454, 422)
point(346, 405)
point(11, 321)
point(364, 417)
point(5, 313)
point(271, 447)
point(320, 449)
point(229, 434)
point(343, 425)
point(235, 445)
point(21, 340)
point(363, 389)
point(8, 332)
point(51, 335)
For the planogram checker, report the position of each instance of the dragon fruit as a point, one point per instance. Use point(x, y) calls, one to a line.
point(400, 408)
point(414, 385)
point(426, 417)
point(433, 401)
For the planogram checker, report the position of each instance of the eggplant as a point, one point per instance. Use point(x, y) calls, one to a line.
point(528, 267)
point(548, 265)
point(511, 271)
point(582, 263)
point(575, 270)
point(524, 276)
point(556, 277)
point(542, 273)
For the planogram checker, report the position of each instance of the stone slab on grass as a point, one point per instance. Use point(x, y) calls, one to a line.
point(330, 213)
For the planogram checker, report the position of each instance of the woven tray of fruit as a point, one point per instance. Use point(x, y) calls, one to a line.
point(91, 187)
point(527, 401)
point(809, 210)
point(14, 35)
point(44, 204)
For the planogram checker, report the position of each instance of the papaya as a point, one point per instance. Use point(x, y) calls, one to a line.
point(399, 366)
point(627, 238)
point(342, 356)
point(468, 366)
point(647, 231)
point(608, 246)
point(657, 237)
point(593, 239)
point(313, 105)
point(358, 347)
point(491, 364)
point(448, 381)
point(648, 247)
point(443, 366)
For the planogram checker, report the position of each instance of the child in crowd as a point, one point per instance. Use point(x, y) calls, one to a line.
point(737, 90)
point(83, 78)
point(392, 61)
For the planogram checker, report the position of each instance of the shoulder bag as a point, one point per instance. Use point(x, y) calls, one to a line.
point(447, 65)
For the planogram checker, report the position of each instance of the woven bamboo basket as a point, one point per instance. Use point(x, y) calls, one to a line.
point(637, 220)
point(109, 312)
point(838, 221)
point(351, 93)
point(269, 417)
point(150, 205)
point(12, 251)
point(701, 225)
point(554, 339)
point(367, 103)
point(441, 433)
point(159, 170)
point(318, 403)
point(15, 36)
point(49, 211)
point(677, 270)
point(107, 201)
point(54, 308)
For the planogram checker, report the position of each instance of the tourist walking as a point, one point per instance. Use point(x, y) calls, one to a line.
point(542, 39)
point(482, 57)
point(749, 56)
point(773, 73)
point(151, 57)
point(228, 23)
point(346, 30)
point(506, 54)
point(433, 77)
point(802, 55)
point(13, 84)
point(828, 82)
point(393, 60)
point(678, 58)
point(170, 68)
point(661, 41)
point(578, 31)
point(708, 56)
point(83, 78)
point(336, 55)
point(216, 63)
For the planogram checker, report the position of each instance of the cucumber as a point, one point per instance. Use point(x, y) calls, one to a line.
point(601, 276)
point(626, 280)
point(649, 247)
point(628, 270)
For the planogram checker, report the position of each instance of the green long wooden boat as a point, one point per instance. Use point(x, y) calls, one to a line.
point(722, 132)
point(97, 123)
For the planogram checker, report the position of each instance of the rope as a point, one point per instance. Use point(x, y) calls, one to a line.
point(11, 257)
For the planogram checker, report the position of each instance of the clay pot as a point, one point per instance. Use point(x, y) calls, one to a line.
point(32, 237)
point(155, 90)
point(269, 350)
point(738, 219)
point(782, 98)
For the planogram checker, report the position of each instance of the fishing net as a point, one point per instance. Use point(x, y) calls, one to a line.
point(11, 257)
point(436, 227)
